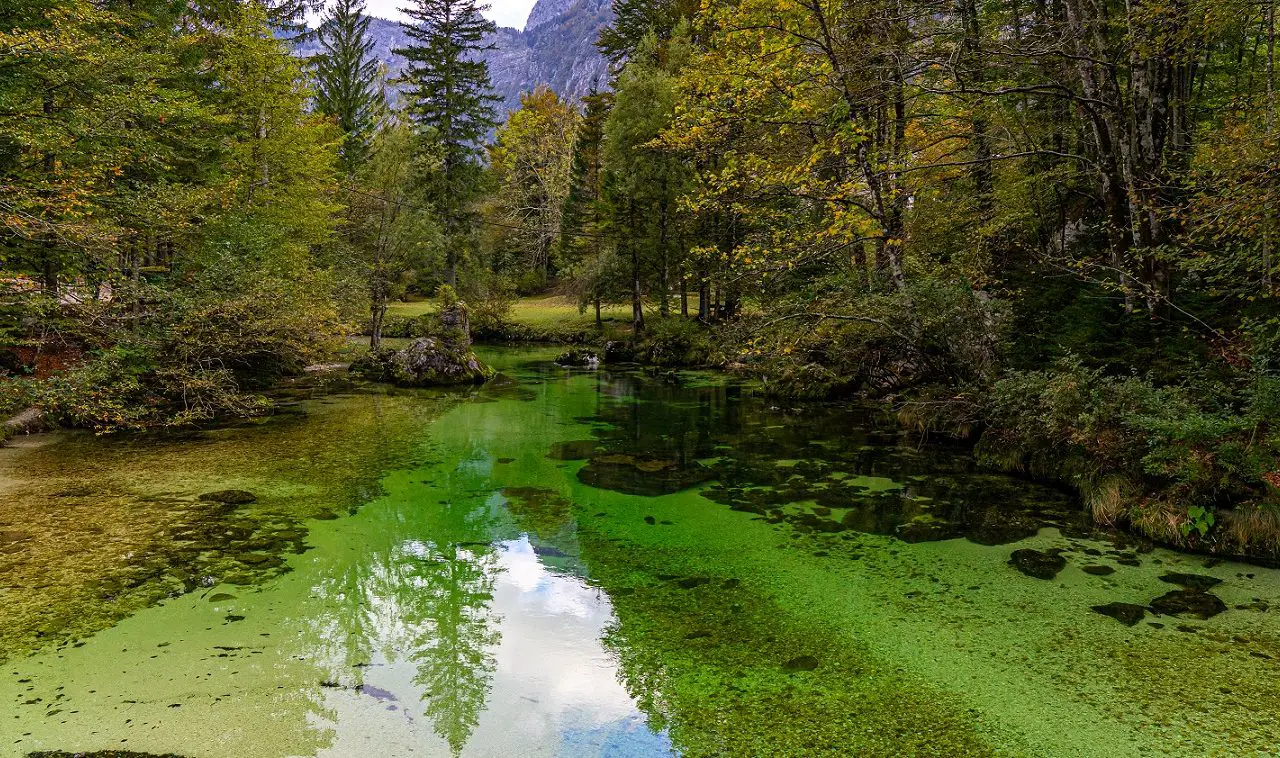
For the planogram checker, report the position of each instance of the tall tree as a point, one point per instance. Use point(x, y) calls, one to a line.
point(450, 99)
point(642, 182)
point(584, 250)
point(633, 20)
point(531, 160)
point(391, 232)
point(347, 86)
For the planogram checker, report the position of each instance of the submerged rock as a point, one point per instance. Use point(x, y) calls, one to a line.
point(1098, 570)
point(574, 450)
point(229, 497)
point(1126, 613)
point(637, 475)
point(1191, 581)
point(1190, 602)
point(1037, 564)
point(800, 663)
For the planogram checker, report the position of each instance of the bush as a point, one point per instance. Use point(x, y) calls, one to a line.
point(119, 389)
point(490, 313)
point(881, 344)
point(1161, 458)
point(189, 358)
point(425, 325)
point(674, 341)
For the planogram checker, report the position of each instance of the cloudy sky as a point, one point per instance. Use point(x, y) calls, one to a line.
point(505, 12)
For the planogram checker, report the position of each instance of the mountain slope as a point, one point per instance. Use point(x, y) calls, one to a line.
point(556, 48)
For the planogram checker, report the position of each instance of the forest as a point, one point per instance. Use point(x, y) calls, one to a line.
point(1044, 228)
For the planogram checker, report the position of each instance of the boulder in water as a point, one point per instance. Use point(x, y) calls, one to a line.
point(1126, 613)
point(1189, 602)
point(229, 497)
point(427, 362)
point(578, 359)
point(430, 361)
point(1037, 564)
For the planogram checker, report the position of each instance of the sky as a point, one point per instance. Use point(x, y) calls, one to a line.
point(510, 13)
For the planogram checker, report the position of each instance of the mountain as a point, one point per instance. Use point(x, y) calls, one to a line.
point(557, 47)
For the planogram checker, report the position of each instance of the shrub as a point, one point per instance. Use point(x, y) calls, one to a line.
point(674, 341)
point(120, 389)
point(188, 358)
point(840, 342)
point(425, 325)
point(1162, 458)
point(490, 314)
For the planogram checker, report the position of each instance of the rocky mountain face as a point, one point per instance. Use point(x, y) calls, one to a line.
point(557, 47)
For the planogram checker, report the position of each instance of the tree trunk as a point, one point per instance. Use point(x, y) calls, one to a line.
point(378, 314)
point(637, 311)
point(664, 285)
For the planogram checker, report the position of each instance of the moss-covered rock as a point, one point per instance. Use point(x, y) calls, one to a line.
point(427, 362)
point(446, 359)
point(578, 359)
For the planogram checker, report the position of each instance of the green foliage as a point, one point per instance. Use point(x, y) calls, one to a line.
point(348, 86)
point(446, 296)
point(171, 195)
point(491, 314)
point(675, 341)
point(450, 102)
point(390, 234)
point(1196, 445)
point(529, 165)
point(1199, 520)
point(193, 360)
point(641, 184)
point(410, 326)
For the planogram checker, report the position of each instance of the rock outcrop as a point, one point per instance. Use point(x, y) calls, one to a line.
point(440, 360)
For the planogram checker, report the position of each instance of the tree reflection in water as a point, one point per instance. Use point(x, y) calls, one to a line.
point(453, 632)
point(427, 602)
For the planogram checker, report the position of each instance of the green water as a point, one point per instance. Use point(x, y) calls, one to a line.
point(602, 564)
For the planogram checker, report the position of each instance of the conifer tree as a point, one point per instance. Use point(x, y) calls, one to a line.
point(585, 251)
point(347, 80)
point(451, 101)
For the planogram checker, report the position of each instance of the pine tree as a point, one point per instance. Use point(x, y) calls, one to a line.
point(584, 249)
point(347, 80)
point(634, 19)
point(450, 99)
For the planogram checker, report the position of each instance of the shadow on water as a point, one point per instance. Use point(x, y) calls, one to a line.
point(819, 468)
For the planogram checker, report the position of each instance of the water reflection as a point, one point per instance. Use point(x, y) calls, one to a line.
point(499, 653)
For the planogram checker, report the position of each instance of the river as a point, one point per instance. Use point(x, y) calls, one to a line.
point(577, 563)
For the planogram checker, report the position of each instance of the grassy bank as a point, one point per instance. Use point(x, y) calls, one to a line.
point(543, 318)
